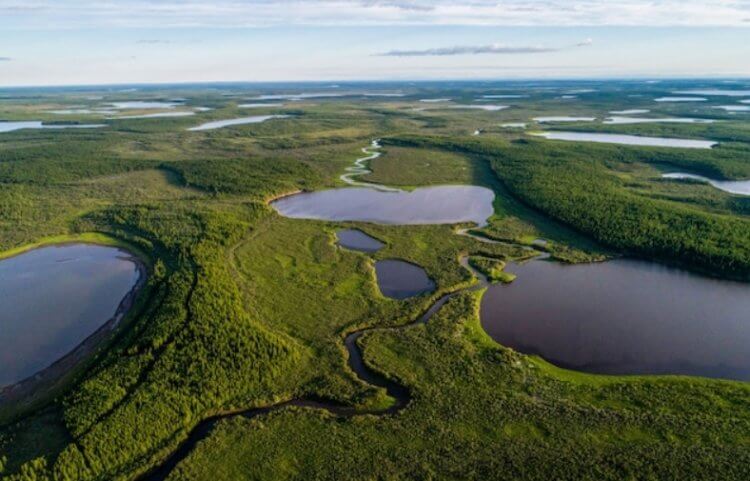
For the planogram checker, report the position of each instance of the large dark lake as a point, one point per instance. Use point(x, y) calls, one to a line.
point(623, 317)
point(446, 204)
point(53, 298)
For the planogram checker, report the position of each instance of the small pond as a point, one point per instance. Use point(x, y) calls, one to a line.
point(623, 317)
point(401, 280)
point(741, 187)
point(217, 124)
point(628, 139)
point(53, 298)
point(357, 240)
point(446, 204)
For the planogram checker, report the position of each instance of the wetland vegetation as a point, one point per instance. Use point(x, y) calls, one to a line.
point(261, 346)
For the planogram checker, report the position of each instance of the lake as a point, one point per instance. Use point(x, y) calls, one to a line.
point(504, 96)
point(401, 280)
point(627, 139)
point(445, 204)
point(563, 119)
point(715, 92)
point(741, 187)
point(680, 99)
point(37, 124)
point(734, 108)
point(623, 317)
point(217, 124)
point(488, 107)
point(156, 115)
point(55, 297)
point(619, 120)
point(259, 105)
point(145, 104)
point(629, 112)
point(355, 239)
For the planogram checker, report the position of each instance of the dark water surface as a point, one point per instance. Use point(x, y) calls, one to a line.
point(445, 204)
point(401, 280)
point(357, 240)
point(53, 298)
point(623, 317)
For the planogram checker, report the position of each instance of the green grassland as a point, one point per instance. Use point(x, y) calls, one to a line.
point(244, 308)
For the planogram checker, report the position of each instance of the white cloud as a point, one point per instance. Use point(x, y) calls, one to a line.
point(467, 50)
point(19, 14)
point(496, 49)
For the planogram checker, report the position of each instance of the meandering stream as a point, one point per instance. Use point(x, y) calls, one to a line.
point(399, 393)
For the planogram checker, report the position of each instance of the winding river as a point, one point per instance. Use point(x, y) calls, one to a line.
point(399, 393)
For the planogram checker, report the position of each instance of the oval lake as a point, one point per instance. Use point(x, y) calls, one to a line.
point(55, 297)
point(623, 317)
point(446, 204)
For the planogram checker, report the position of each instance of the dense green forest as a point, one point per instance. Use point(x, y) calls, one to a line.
point(244, 308)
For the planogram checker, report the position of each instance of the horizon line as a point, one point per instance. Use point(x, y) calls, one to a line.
point(634, 78)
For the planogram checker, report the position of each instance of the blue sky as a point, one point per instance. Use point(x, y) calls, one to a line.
point(59, 42)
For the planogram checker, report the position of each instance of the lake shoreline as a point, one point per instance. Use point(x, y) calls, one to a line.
point(57, 374)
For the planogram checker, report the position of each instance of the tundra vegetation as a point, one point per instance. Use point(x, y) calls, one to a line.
point(244, 308)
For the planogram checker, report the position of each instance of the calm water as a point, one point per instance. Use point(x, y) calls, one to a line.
point(55, 297)
point(628, 139)
point(716, 92)
point(255, 119)
point(618, 120)
point(259, 105)
point(157, 115)
point(563, 119)
point(504, 96)
point(629, 112)
point(36, 124)
point(145, 104)
point(357, 240)
point(401, 280)
point(447, 204)
point(741, 187)
point(623, 317)
point(734, 108)
point(680, 99)
point(488, 107)
point(299, 96)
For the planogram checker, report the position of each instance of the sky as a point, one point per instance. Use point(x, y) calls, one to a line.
point(79, 42)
